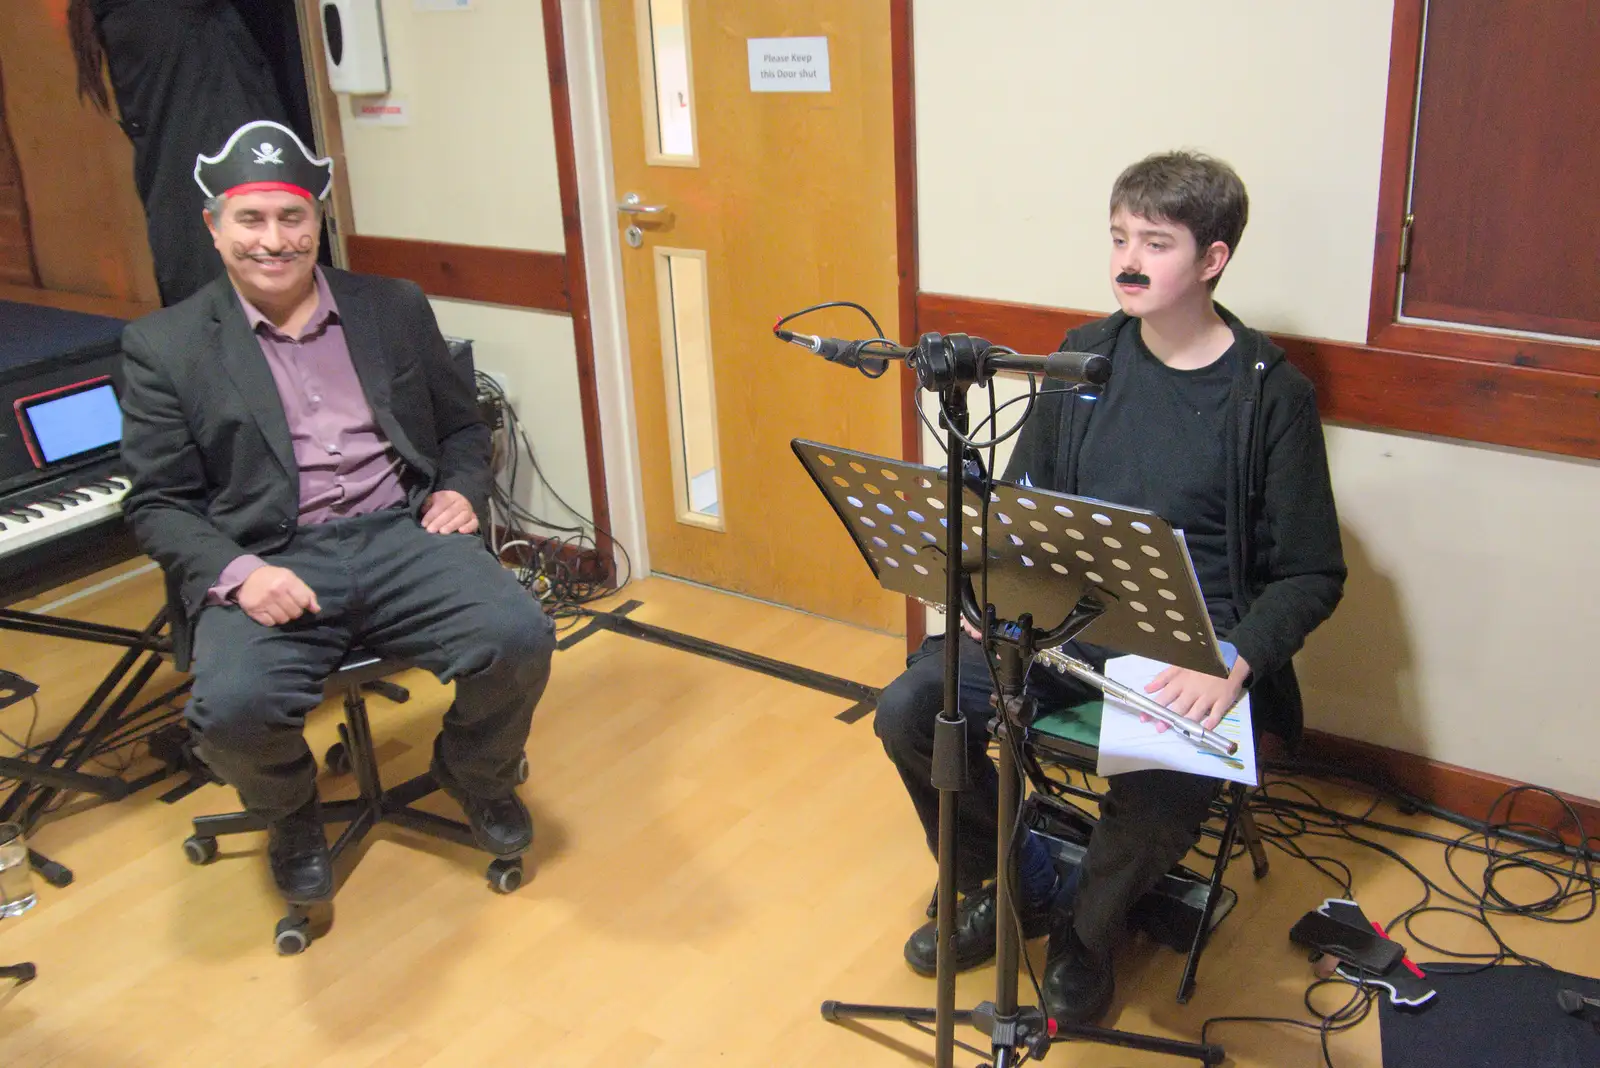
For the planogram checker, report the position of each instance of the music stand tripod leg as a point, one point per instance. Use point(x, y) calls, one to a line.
point(1010, 1028)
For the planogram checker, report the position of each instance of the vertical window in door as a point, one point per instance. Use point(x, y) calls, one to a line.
point(669, 134)
point(691, 395)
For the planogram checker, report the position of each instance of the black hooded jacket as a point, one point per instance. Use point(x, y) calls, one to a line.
point(1285, 562)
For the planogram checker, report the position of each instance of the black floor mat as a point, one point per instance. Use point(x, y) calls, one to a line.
point(1504, 1017)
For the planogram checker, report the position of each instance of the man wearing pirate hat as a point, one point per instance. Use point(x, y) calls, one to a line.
point(309, 470)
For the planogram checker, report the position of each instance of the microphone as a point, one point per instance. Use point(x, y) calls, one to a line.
point(848, 353)
point(1573, 1002)
point(1075, 367)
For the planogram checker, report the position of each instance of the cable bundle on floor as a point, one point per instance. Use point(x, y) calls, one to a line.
point(550, 558)
point(1506, 844)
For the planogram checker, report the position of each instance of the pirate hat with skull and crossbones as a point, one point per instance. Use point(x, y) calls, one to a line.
point(263, 156)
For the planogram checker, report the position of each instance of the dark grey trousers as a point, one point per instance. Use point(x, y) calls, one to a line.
point(1148, 821)
point(440, 601)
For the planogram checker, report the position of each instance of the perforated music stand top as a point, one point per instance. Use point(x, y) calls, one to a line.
point(1046, 550)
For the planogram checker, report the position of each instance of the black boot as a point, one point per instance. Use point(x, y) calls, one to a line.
point(1078, 983)
point(297, 851)
point(975, 931)
point(500, 825)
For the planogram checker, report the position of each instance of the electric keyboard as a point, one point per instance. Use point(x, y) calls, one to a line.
point(57, 508)
point(61, 479)
point(62, 529)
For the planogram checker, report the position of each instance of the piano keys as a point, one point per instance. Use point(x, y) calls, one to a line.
point(61, 486)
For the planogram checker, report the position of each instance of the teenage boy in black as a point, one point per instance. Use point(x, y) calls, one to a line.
point(1205, 423)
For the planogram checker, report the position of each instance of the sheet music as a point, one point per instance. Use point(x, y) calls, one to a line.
point(1127, 744)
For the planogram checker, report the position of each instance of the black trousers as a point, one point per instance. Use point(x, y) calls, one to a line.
point(1148, 820)
point(438, 600)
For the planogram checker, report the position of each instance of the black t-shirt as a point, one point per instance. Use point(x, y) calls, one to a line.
point(1158, 440)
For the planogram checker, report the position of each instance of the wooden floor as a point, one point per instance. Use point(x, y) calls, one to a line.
point(716, 855)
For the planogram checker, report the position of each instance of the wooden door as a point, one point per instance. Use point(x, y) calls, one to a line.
point(769, 202)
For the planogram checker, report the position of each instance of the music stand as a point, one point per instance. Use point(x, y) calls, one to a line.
point(1059, 568)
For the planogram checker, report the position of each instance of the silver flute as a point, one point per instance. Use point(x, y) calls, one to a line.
point(1067, 665)
point(1191, 730)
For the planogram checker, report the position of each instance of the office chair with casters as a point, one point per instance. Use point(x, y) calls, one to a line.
point(360, 672)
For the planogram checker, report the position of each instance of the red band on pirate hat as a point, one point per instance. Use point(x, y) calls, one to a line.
point(269, 187)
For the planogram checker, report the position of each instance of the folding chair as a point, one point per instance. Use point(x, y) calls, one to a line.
point(1187, 905)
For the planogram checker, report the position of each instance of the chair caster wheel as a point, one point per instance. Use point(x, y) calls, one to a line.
point(292, 936)
point(337, 759)
point(200, 849)
point(505, 876)
point(522, 770)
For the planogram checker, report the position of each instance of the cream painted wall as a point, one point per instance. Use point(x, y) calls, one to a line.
point(534, 350)
point(476, 165)
point(1469, 617)
point(1016, 153)
point(1470, 621)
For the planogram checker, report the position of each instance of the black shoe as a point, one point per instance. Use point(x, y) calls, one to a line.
point(500, 825)
point(975, 930)
point(1078, 983)
point(297, 851)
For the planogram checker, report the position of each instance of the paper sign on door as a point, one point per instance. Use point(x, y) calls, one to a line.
point(789, 65)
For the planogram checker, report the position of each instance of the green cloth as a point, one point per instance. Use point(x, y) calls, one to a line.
point(1079, 723)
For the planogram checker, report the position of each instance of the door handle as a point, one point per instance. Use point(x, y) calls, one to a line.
point(630, 206)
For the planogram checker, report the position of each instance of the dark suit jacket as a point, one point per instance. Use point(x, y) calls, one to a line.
point(207, 445)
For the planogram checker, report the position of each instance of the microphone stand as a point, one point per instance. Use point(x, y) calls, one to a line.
point(949, 365)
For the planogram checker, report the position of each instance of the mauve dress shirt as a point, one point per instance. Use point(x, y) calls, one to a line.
point(347, 467)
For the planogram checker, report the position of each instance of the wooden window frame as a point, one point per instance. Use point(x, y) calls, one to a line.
point(1384, 330)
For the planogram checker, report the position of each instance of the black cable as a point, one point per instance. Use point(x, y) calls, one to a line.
point(1068, 393)
point(547, 574)
point(862, 350)
point(1012, 432)
point(1285, 821)
point(25, 748)
point(876, 329)
point(1345, 1017)
point(1572, 881)
point(1410, 803)
point(928, 424)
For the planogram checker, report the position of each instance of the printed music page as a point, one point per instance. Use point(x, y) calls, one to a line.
point(1127, 744)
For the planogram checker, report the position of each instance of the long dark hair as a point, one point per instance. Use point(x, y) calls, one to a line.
point(90, 52)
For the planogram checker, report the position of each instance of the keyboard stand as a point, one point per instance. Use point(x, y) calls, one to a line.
point(108, 715)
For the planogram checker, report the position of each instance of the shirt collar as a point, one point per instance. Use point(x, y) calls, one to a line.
point(327, 309)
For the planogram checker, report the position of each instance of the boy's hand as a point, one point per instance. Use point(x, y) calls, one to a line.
point(1205, 699)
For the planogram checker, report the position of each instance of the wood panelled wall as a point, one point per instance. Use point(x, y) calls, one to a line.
point(16, 250)
point(85, 218)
